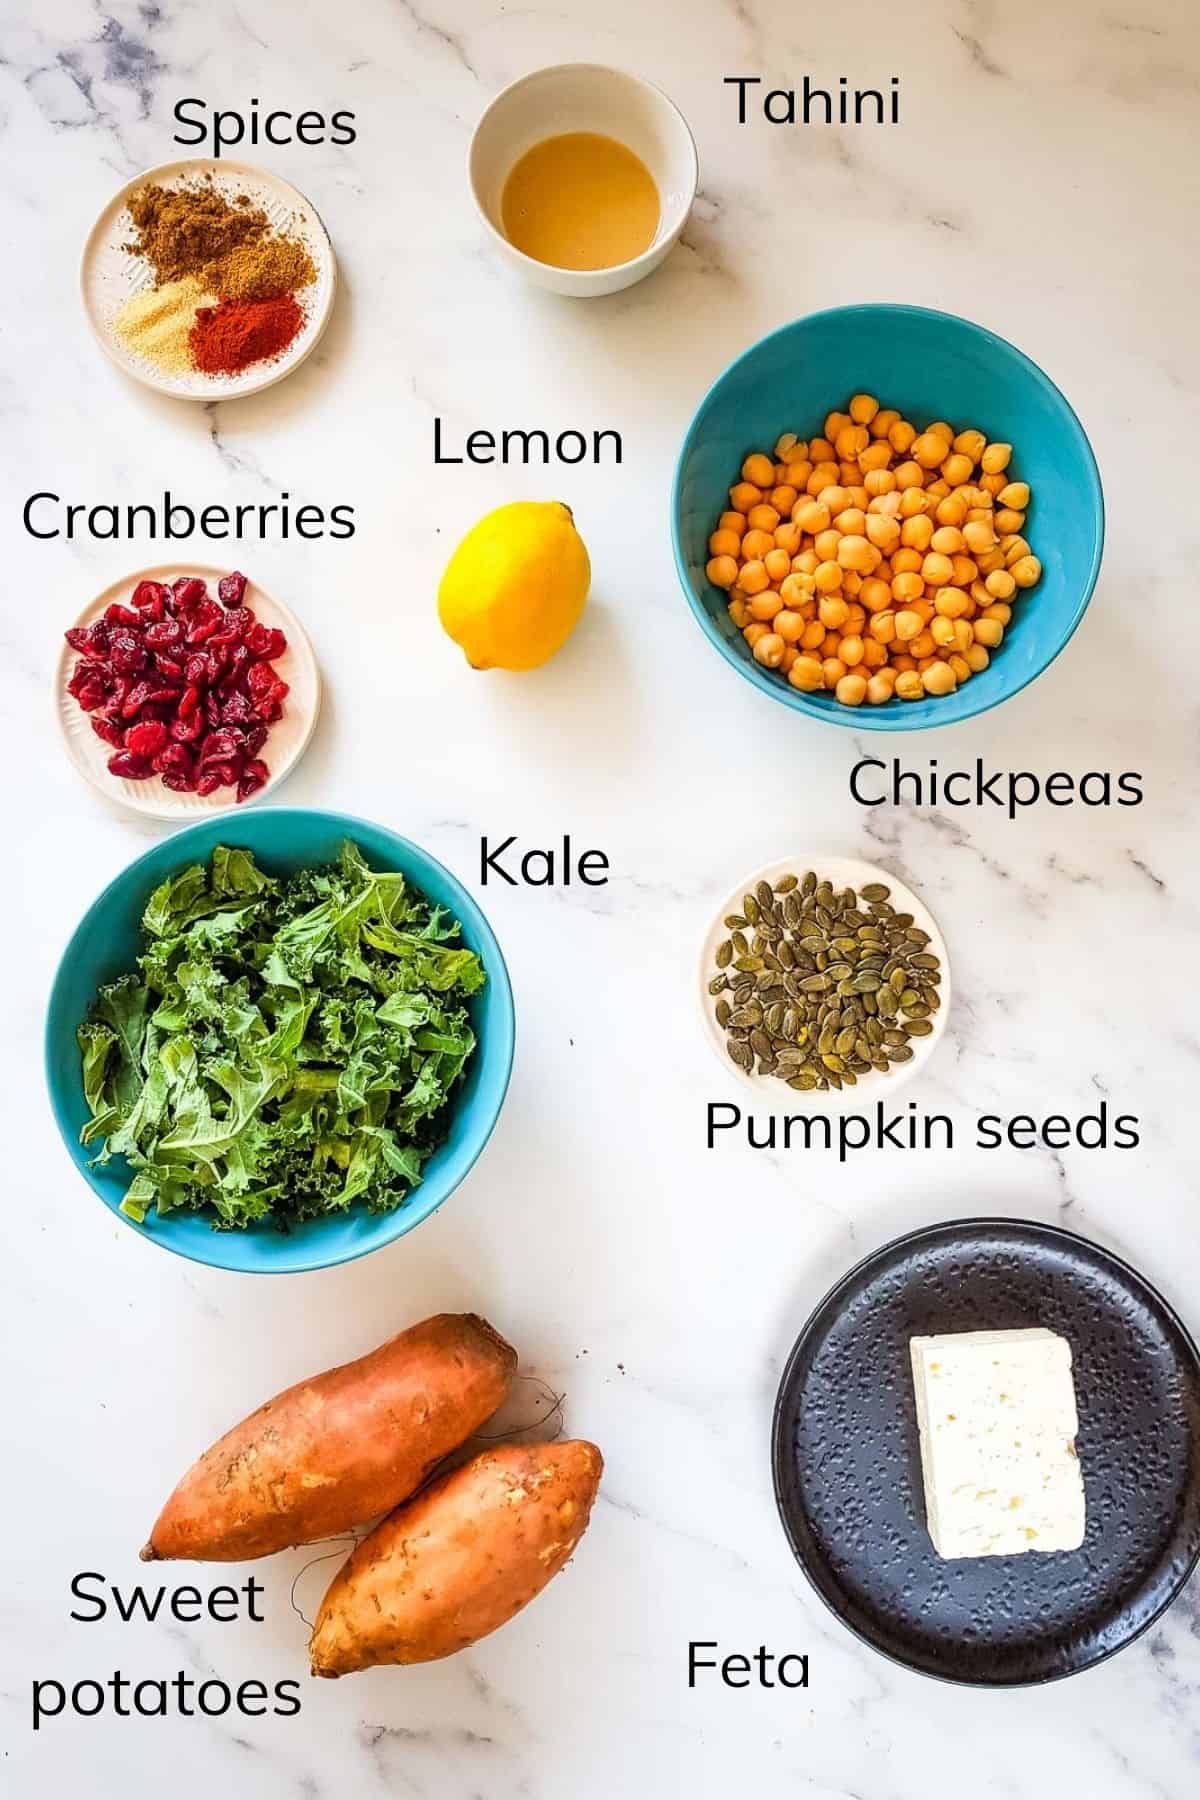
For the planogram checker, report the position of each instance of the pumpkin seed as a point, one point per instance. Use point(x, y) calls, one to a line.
point(724, 954)
point(718, 983)
point(724, 1013)
point(786, 883)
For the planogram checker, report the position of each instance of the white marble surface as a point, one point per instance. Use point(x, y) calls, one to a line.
point(1044, 181)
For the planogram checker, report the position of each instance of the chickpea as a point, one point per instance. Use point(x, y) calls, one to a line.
point(785, 444)
point(783, 498)
point(917, 533)
point(824, 474)
point(976, 658)
point(732, 521)
point(939, 678)
point(914, 500)
point(972, 444)
point(907, 588)
point(883, 627)
point(811, 515)
point(963, 570)
point(851, 651)
point(988, 560)
point(995, 458)
point(979, 535)
point(883, 421)
point(1016, 495)
point(851, 583)
point(762, 517)
point(756, 543)
point(1000, 584)
point(765, 606)
point(874, 458)
point(999, 609)
point(947, 540)
point(805, 674)
point(851, 441)
point(909, 685)
point(902, 436)
point(769, 650)
point(956, 469)
point(1008, 521)
point(922, 645)
point(852, 522)
point(936, 569)
point(1026, 571)
point(755, 630)
point(827, 575)
point(964, 635)
point(992, 484)
point(794, 590)
point(825, 544)
point(874, 654)
point(789, 626)
point(759, 469)
point(888, 505)
point(950, 603)
point(796, 474)
point(858, 553)
point(879, 689)
point(1014, 546)
point(788, 537)
point(960, 665)
point(814, 635)
point(862, 408)
point(907, 562)
point(908, 475)
point(805, 563)
point(988, 632)
point(909, 625)
point(875, 594)
point(941, 631)
point(743, 495)
point(832, 670)
point(739, 613)
point(833, 612)
point(879, 481)
point(929, 449)
point(789, 656)
point(753, 578)
point(778, 564)
point(722, 571)
point(851, 690)
point(883, 532)
point(951, 510)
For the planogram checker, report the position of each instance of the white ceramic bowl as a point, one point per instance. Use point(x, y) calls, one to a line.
point(110, 274)
point(586, 97)
point(286, 742)
point(843, 872)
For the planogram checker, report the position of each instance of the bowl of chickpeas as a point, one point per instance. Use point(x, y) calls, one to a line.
point(887, 516)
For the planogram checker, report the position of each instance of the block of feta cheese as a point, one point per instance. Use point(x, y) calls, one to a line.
point(997, 1416)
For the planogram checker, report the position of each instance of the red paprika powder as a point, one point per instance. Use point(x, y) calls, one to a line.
point(233, 334)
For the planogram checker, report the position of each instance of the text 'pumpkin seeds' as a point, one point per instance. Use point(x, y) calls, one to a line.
point(818, 986)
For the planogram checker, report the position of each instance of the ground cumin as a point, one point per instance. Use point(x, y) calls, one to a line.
point(261, 270)
point(185, 230)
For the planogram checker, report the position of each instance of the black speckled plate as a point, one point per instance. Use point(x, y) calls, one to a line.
point(847, 1460)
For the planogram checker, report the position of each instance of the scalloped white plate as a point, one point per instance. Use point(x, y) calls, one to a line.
point(843, 872)
point(289, 736)
point(110, 274)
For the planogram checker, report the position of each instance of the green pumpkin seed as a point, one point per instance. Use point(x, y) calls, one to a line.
point(734, 922)
point(724, 955)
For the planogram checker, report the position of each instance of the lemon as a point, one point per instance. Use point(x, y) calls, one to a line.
point(513, 591)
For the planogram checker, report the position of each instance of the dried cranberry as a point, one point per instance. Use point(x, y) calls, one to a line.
point(198, 670)
point(218, 744)
point(188, 592)
point(135, 699)
point(207, 784)
point(239, 662)
point(231, 587)
point(106, 729)
point(254, 737)
point(164, 697)
point(189, 702)
point(126, 654)
point(116, 614)
point(129, 768)
point(254, 776)
point(162, 635)
point(86, 679)
point(212, 709)
point(185, 729)
point(173, 758)
point(178, 783)
point(80, 638)
point(236, 710)
point(168, 668)
point(150, 596)
point(265, 642)
point(146, 738)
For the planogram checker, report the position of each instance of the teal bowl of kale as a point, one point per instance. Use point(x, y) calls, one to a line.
point(278, 1041)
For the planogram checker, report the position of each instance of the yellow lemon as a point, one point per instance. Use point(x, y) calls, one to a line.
point(513, 591)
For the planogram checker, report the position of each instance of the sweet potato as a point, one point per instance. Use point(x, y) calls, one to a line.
point(340, 1448)
point(459, 1559)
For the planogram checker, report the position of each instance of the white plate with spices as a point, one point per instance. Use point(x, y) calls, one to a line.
point(841, 873)
point(111, 274)
point(287, 738)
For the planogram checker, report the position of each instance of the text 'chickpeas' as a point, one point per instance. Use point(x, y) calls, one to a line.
point(872, 561)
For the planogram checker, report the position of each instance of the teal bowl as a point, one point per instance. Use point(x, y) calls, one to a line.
point(930, 365)
point(283, 839)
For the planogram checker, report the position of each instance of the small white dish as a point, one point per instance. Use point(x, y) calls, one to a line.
point(110, 275)
point(286, 742)
point(586, 97)
point(843, 872)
